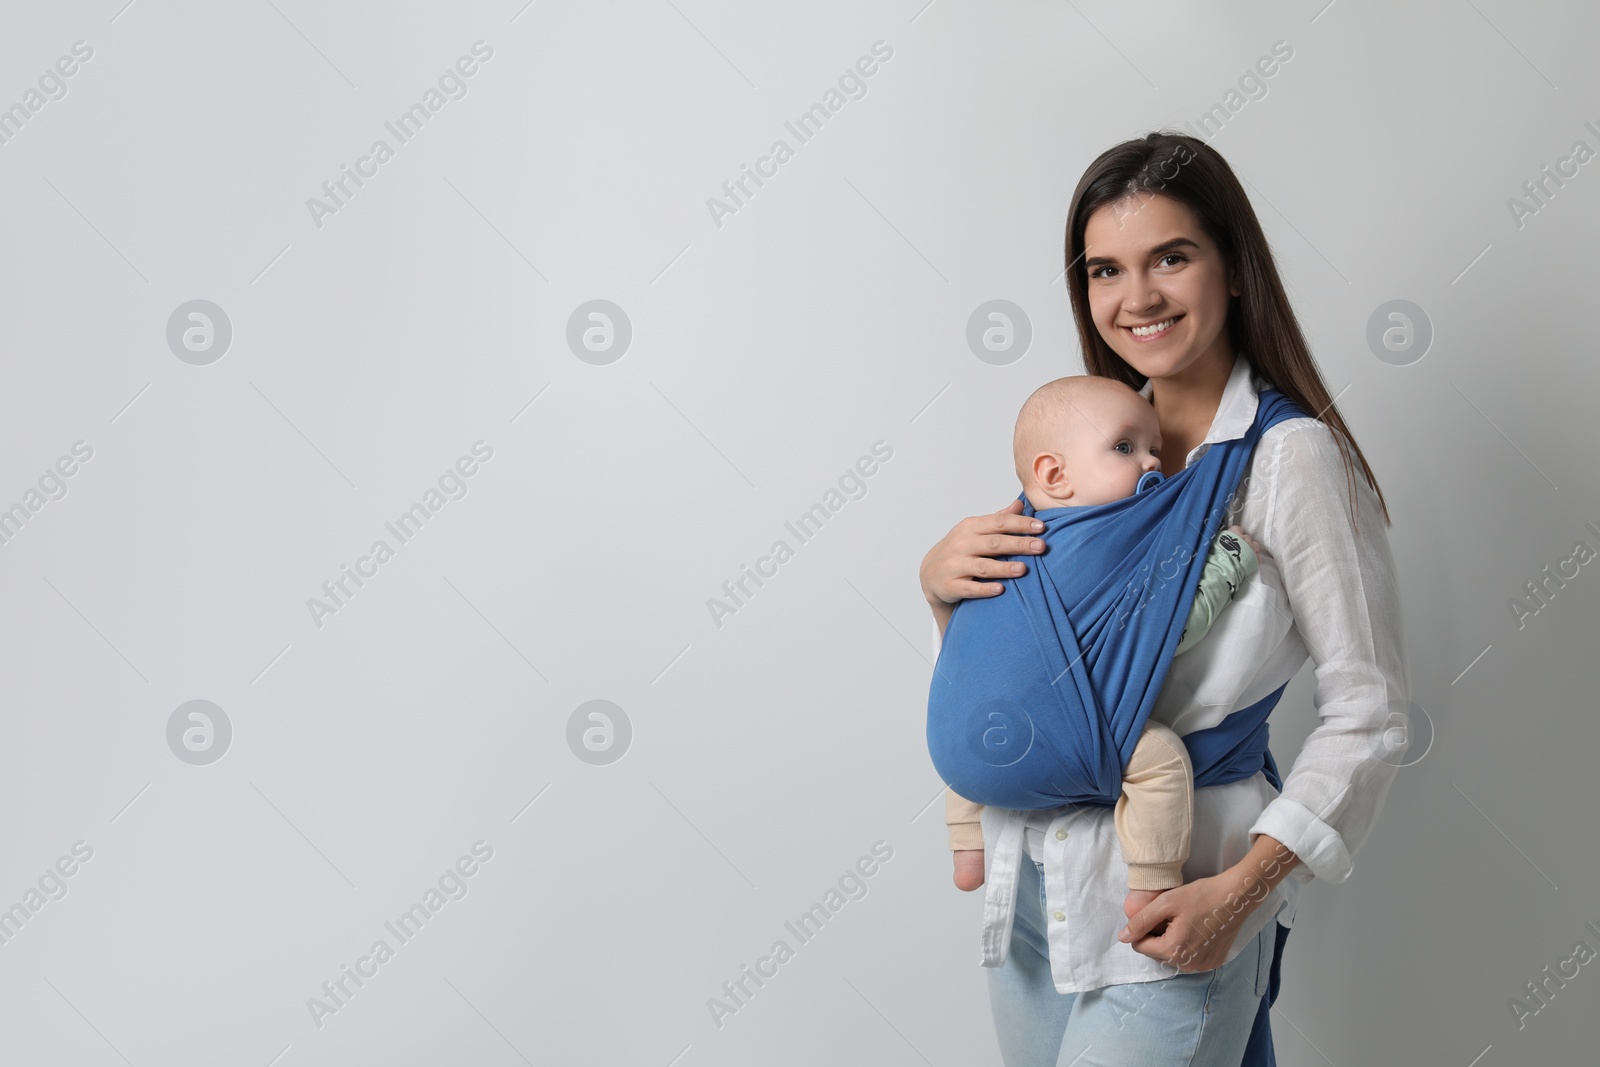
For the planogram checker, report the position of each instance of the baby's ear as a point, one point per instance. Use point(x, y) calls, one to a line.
point(1050, 474)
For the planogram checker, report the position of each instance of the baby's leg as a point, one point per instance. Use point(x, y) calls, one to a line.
point(1154, 815)
point(964, 820)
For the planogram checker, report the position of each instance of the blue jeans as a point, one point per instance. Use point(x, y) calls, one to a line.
point(1195, 1019)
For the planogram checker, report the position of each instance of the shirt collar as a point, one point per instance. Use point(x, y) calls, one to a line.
point(1237, 409)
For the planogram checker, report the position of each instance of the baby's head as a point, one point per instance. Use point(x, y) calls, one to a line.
point(1084, 440)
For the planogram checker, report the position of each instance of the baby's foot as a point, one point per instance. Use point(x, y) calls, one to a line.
point(1137, 899)
point(969, 869)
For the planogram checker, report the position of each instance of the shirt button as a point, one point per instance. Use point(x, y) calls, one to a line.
point(1061, 916)
point(1061, 835)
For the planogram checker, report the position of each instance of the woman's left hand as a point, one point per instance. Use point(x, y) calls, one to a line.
point(1201, 920)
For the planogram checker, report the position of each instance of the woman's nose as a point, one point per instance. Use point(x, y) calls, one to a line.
point(1143, 297)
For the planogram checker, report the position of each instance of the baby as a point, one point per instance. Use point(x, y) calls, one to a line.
point(1082, 441)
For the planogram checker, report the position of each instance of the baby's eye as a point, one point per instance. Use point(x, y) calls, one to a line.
point(1119, 445)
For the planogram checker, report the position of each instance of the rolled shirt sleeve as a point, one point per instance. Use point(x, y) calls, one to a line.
point(1343, 590)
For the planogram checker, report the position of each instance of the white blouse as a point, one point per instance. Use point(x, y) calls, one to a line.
point(1323, 591)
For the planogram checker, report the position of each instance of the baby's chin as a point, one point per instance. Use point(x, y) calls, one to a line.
point(1077, 500)
point(1080, 502)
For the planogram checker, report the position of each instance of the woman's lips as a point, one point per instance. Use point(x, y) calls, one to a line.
point(1156, 336)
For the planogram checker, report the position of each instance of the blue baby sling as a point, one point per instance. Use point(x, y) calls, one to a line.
point(1039, 695)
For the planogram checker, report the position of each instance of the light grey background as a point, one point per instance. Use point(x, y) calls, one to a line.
point(768, 354)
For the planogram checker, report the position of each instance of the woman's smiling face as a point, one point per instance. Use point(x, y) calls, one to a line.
point(1151, 265)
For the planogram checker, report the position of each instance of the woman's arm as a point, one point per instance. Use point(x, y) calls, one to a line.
point(1344, 592)
point(1343, 589)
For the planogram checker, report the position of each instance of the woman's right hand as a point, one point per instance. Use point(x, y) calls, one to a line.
point(951, 569)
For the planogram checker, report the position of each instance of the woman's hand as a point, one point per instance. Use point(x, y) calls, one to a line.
point(951, 568)
point(1195, 923)
point(1193, 926)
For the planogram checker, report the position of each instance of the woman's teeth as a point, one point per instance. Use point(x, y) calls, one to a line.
point(1151, 331)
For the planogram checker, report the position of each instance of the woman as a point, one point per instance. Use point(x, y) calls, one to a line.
point(1162, 240)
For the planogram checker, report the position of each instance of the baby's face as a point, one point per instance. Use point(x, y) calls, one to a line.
point(1109, 447)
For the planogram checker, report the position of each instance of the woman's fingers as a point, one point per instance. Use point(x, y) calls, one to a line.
point(953, 568)
point(1006, 532)
point(1012, 518)
point(1148, 918)
point(999, 544)
point(1201, 924)
point(980, 565)
point(967, 589)
point(968, 581)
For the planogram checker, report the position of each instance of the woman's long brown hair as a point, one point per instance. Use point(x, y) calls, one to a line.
point(1261, 324)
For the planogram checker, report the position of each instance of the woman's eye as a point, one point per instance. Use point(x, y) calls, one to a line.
point(1172, 255)
point(1096, 273)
